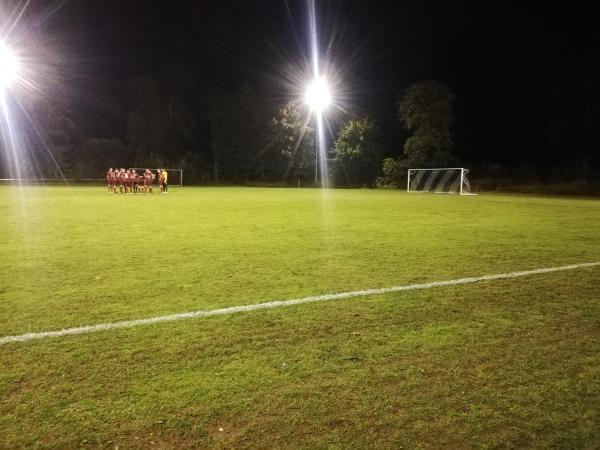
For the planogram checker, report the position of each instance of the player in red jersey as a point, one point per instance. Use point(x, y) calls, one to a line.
point(128, 181)
point(122, 180)
point(131, 181)
point(134, 181)
point(110, 180)
point(148, 181)
point(133, 177)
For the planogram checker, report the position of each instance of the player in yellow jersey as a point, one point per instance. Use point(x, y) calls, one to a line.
point(165, 177)
point(162, 180)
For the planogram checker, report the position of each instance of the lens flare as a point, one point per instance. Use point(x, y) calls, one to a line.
point(318, 97)
point(9, 66)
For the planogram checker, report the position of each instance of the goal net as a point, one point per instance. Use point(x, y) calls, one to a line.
point(175, 176)
point(440, 181)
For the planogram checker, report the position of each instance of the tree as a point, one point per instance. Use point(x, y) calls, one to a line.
point(426, 109)
point(357, 151)
point(249, 147)
point(44, 132)
point(574, 129)
point(161, 122)
point(292, 152)
point(239, 135)
point(95, 156)
point(219, 104)
point(144, 121)
point(392, 173)
point(178, 88)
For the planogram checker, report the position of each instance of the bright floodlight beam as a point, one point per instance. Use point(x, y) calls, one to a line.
point(9, 66)
point(318, 96)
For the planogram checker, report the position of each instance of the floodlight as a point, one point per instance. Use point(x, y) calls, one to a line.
point(9, 65)
point(317, 95)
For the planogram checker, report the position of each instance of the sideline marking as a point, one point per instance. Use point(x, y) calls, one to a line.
point(278, 304)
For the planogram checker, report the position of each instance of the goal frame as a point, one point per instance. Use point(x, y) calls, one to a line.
point(463, 171)
point(168, 170)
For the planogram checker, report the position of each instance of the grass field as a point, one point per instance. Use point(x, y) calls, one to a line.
point(511, 363)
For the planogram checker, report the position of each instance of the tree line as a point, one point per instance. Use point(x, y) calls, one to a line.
point(243, 135)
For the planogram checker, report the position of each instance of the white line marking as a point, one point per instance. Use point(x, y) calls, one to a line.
point(278, 304)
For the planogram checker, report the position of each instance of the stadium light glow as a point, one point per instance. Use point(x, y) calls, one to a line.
point(9, 66)
point(318, 96)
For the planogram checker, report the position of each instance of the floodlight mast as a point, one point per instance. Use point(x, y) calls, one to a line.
point(9, 66)
point(317, 97)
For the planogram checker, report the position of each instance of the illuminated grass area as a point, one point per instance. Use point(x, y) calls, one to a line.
point(506, 363)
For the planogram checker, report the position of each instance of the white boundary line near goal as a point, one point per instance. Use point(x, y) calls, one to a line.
point(278, 304)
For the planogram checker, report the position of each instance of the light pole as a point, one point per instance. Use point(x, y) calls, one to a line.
point(9, 71)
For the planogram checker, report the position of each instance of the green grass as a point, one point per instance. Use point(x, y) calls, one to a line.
point(512, 363)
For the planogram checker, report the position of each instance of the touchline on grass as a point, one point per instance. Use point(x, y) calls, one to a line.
point(281, 303)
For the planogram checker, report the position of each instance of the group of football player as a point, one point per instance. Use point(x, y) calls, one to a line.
point(131, 182)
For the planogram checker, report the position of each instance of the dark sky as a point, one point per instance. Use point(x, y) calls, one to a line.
point(500, 58)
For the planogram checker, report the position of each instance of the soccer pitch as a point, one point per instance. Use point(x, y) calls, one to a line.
point(509, 362)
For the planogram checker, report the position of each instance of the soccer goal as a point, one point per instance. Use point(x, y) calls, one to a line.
point(451, 180)
point(175, 175)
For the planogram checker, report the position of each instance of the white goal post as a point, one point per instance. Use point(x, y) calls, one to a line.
point(446, 180)
point(175, 175)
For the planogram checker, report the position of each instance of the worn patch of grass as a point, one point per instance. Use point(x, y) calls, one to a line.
point(512, 363)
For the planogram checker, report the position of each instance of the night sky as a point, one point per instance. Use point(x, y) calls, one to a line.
point(500, 58)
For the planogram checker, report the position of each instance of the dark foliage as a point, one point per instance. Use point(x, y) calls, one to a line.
point(574, 129)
